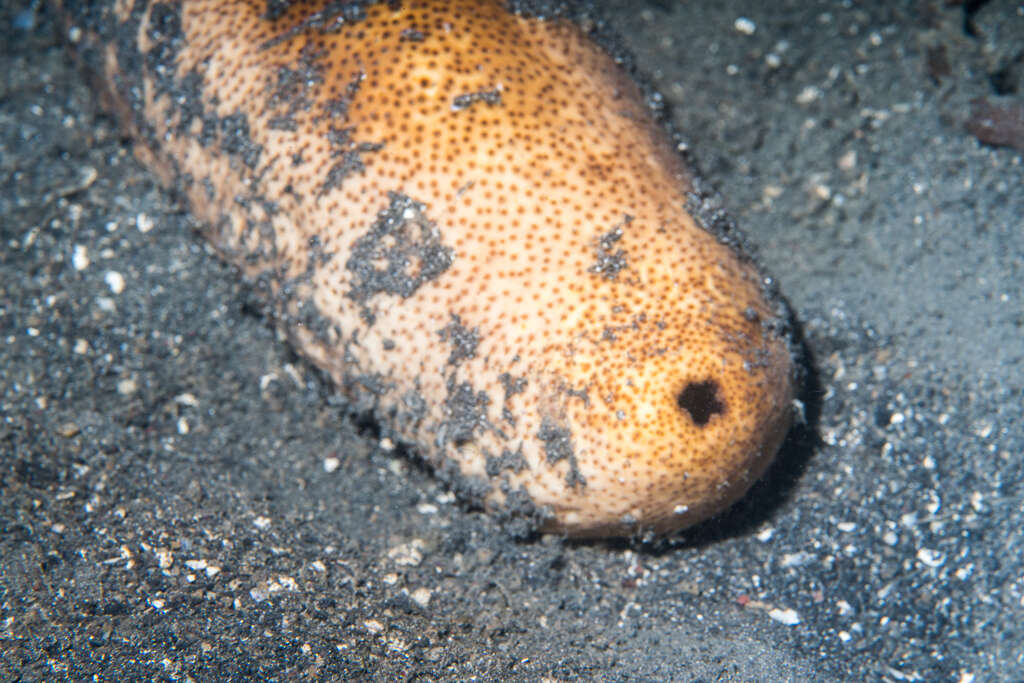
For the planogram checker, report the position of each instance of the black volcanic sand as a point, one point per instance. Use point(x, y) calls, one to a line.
point(181, 497)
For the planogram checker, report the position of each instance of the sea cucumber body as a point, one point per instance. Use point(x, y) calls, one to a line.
point(472, 222)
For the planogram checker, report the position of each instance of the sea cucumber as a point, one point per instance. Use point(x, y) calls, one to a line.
point(470, 218)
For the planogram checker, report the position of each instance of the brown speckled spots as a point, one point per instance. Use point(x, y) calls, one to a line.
point(470, 219)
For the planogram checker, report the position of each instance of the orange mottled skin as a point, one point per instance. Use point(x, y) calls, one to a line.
point(472, 222)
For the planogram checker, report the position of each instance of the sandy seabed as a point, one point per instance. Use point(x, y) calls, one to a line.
point(181, 497)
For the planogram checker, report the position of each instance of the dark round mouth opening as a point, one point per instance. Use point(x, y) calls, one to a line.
point(700, 401)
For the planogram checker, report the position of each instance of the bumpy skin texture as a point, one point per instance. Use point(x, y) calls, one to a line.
point(472, 222)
